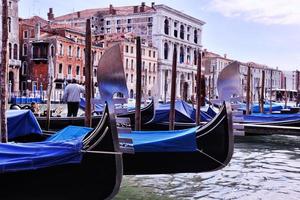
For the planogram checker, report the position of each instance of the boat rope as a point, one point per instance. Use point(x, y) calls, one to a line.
point(212, 158)
point(102, 152)
point(213, 128)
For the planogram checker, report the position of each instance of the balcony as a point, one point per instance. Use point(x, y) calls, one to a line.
point(40, 52)
point(14, 63)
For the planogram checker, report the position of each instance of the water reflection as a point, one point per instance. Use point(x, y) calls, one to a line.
point(263, 167)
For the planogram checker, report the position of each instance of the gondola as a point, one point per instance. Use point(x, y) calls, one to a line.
point(208, 148)
point(90, 168)
point(57, 123)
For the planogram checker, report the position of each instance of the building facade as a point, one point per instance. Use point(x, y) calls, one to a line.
point(13, 45)
point(159, 26)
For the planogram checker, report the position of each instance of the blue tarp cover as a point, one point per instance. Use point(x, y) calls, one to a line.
point(163, 141)
point(62, 148)
point(260, 117)
point(184, 112)
point(255, 107)
point(21, 123)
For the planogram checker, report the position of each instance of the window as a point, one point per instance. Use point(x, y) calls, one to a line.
point(166, 26)
point(52, 52)
point(126, 49)
point(126, 63)
point(154, 54)
point(10, 4)
point(195, 57)
point(188, 37)
point(60, 68)
point(24, 68)
point(131, 50)
point(25, 34)
point(149, 67)
point(16, 51)
point(131, 78)
point(129, 29)
point(143, 66)
point(78, 70)
point(108, 30)
point(69, 69)
point(118, 21)
point(95, 72)
point(25, 48)
point(61, 50)
point(149, 79)
point(181, 32)
point(126, 77)
point(181, 56)
point(166, 51)
point(118, 30)
point(70, 51)
point(10, 51)
point(150, 19)
point(195, 36)
point(78, 52)
point(154, 67)
point(132, 64)
point(9, 24)
point(129, 21)
point(153, 80)
point(150, 53)
point(108, 23)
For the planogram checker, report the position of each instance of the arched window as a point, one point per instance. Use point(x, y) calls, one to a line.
point(52, 51)
point(25, 48)
point(9, 24)
point(196, 36)
point(61, 49)
point(16, 51)
point(166, 51)
point(188, 57)
point(182, 32)
point(24, 68)
point(132, 64)
point(181, 57)
point(78, 70)
point(10, 50)
point(78, 52)
point(126, 63)
point(166, 26)
point(70, 51)
point(195, 57)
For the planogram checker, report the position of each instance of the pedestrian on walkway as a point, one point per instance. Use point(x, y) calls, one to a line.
point(72, 97)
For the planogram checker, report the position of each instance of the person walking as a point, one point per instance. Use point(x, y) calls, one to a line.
point(72, 97)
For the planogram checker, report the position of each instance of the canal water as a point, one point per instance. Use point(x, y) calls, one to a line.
point(262, 167)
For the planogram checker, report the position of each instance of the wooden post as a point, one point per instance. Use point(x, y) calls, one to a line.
point(285, 94)
point(248, 91)
point(297, 87)
point(199, 87)
point(88, 74)
point(262, 92)
point(271, 88)
point(209, 88)
point(173, 90)
point(138, 85)
point(3, 73)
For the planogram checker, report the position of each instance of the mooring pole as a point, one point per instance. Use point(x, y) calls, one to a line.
point(3, 74)
point(88, 74)
point(297, 87)
point(248, 91)
point(262, 91)
point(199, 87)
point(138, 97)
point(271, 88)
point(285, 94)
point(173, 90)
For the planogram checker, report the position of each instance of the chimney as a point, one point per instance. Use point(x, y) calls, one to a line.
point(37, 31)
point(78, 14)
point(112, 11)
point(142, 8)
point(152, 4)
point(50, 14)
point(225, 55)
point(135, 9)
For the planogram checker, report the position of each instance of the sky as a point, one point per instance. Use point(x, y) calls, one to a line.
point(261, 31)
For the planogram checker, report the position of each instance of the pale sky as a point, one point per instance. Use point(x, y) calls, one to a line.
point(262, 31)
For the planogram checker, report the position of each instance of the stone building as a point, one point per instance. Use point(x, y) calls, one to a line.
point(13, 44)
point(159, 26)
point(65, 46)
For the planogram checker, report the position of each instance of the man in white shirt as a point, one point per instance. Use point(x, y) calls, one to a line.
point(72, 97)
